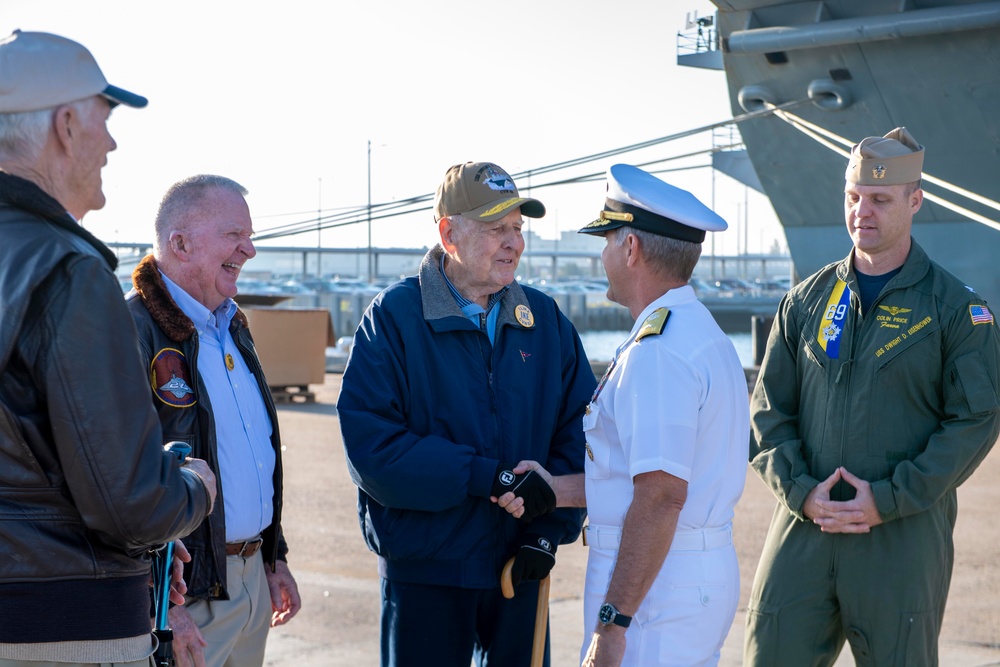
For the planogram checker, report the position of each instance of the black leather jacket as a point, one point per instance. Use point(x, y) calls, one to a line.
point(85, 487)
point(163, 326)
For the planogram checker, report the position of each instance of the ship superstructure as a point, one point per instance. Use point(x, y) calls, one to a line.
point(846, 69)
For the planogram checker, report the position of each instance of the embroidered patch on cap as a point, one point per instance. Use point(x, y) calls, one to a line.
point(496, 180)
point(170, 378)
point(980, 315)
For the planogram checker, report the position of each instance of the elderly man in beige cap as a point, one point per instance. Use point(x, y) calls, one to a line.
point(456, 375)
point(85, 486)
point(877, 398)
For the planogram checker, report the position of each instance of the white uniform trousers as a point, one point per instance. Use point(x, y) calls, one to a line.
point(686, 615)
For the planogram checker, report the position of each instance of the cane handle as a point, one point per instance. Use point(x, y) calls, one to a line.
point(506, 583)
point(541, 611)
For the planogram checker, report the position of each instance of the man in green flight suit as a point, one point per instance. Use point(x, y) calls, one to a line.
point(877, 398)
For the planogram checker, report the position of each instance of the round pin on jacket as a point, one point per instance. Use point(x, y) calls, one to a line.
point(524, 316)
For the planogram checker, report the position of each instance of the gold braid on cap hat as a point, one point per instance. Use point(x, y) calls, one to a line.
point(616, 216)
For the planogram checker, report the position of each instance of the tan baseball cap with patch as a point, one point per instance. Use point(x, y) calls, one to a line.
point(894, 159)
point(39, 70)
point(481, 191)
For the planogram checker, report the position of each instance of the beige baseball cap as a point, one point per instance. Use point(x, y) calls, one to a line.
point(39, 70)
point(481, 191)
point(894, 159)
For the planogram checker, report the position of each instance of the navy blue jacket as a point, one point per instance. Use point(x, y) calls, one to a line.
point(428, 408)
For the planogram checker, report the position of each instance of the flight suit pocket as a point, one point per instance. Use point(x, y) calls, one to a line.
point(900, 379)
point(761, 635)
point(918, 639)
point(974, 383)
point(814, 402)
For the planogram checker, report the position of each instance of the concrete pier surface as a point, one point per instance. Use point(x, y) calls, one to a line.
point(339, 623)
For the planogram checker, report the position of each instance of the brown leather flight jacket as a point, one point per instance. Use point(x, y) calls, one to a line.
point(85, 486)
point(163, 325)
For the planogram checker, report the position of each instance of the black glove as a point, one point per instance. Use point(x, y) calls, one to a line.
point(533, 559)
point(539, 498)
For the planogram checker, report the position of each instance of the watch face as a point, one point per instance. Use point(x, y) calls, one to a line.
point(607, 613)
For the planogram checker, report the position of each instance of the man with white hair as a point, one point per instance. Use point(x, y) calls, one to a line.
point(85, 486)
point(209, 390)
point(455, 375)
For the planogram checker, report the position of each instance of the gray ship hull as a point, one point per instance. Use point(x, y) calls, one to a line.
point(931, 66)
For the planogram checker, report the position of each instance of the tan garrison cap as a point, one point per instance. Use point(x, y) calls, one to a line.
point(39, 70)
point(481, 191)
point(894, 159)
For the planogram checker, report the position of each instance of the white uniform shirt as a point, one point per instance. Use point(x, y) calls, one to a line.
point(676, 402)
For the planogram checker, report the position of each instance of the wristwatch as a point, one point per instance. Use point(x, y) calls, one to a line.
point(609, 615)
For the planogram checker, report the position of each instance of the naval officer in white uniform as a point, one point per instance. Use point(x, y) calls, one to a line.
point(668, 436)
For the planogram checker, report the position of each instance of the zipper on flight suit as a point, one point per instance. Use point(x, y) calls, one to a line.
point(857, 324)
point(860, 323)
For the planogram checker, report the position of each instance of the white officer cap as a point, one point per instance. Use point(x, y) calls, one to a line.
point(642, 201)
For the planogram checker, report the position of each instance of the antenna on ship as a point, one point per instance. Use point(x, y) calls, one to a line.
point(692, 21)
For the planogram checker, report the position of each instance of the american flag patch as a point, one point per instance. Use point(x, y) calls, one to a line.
point(981, 315)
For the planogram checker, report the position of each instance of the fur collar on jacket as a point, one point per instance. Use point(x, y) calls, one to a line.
point(24, 195)
point(148, 283)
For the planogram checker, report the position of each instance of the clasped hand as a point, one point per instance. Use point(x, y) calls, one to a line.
point(859, 515)
point(525, 491)
point(515, 502)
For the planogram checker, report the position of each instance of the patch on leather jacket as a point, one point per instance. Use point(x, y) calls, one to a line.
point(170, 378)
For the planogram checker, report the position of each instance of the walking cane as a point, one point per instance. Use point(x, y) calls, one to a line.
point(163, 560)
point(541, 611)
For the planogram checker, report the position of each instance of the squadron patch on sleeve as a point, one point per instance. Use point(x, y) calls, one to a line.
point(170, 378)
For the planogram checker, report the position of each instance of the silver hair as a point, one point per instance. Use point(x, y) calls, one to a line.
point(673, 257)
point(23, 135)
point(460, 220)
point(182, 200)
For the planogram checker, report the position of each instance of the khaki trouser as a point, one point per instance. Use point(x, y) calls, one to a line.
point(236, 629)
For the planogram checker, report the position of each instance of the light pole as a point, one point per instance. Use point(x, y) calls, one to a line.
point(371, 278)
point(319, 230)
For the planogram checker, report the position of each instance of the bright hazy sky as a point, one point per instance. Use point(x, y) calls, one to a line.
point(284, 96)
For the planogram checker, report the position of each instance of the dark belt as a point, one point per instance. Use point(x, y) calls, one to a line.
point(244, 549)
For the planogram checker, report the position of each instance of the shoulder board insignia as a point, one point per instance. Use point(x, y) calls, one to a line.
point(170, 378)
point(654, 324)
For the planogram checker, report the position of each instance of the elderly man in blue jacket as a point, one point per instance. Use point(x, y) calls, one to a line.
point(457, 374)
